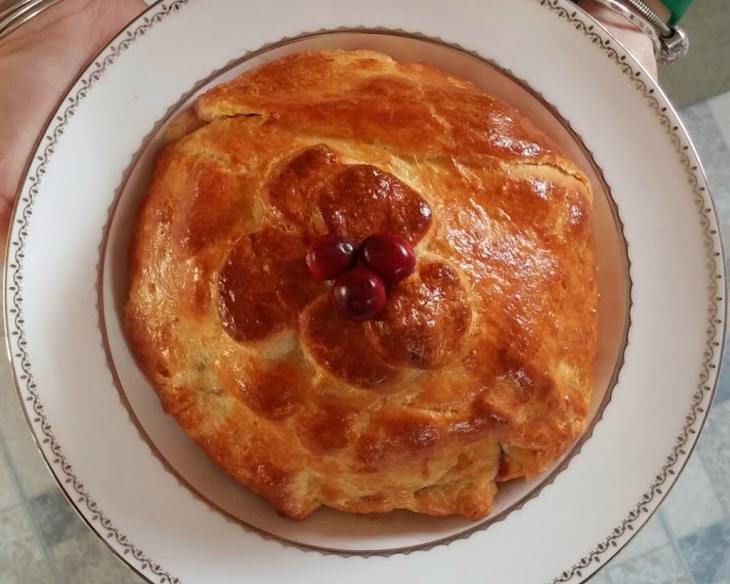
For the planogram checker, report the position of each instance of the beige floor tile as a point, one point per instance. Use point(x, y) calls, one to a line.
point(720, 107)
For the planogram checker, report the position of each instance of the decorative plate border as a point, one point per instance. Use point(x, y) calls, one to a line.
point(17, 343)
point(41, 429)
point(574, 449)
point(716, 302)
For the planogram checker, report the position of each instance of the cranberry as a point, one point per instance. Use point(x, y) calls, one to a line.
point(329, 256)
point(389, 255)
point(359, 294)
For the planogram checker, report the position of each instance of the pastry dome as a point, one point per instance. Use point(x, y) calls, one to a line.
point(478, 370)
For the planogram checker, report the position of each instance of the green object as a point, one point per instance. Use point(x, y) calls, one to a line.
point(678, 8)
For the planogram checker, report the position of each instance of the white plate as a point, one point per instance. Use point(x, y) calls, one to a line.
point(160, 503)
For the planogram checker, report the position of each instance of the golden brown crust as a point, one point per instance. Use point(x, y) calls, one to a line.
point(480, 368)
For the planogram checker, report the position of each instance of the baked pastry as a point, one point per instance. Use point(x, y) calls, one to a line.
point(479, 368)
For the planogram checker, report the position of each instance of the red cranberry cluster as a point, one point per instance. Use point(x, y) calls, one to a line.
point(360, 273)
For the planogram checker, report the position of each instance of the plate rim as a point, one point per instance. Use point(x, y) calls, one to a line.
point(575, 448)
point(649, 89)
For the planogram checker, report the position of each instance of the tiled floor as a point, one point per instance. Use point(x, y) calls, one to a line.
point(687, 542)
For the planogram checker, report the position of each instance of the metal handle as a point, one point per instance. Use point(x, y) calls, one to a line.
point(671, 43)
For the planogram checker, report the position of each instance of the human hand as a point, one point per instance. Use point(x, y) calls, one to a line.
point(38, 61)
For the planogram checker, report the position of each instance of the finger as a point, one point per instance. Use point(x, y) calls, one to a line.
point(38, 63)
